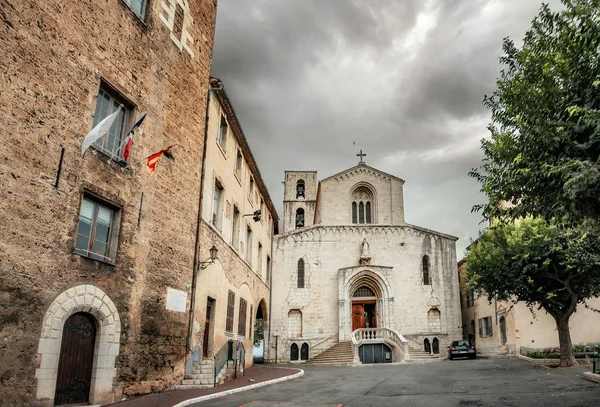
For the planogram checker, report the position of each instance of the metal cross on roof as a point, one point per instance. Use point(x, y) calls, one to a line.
point(361, 155)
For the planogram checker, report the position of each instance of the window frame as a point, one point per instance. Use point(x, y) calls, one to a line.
point(239, 163)
point(128, 113)
point(242, 315)
point(114, 229)
point(143, 13)
point(249, 244)
point(301, 275)
point(235, 228)
point(230, 312)
point(426, 270)
point(217, 210)
point(223, 133)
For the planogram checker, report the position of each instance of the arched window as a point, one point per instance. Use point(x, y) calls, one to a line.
point(300, 189)
point(361, 213)
point(426, 270)
point(304, 351)
point(300, 273)
point(299, 218)
point(294, 352)
point(363, 291)
point(363, 210)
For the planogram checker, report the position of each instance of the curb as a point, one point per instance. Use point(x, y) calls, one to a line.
point(237, 390)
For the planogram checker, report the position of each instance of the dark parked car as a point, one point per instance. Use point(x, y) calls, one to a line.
point(462, 349)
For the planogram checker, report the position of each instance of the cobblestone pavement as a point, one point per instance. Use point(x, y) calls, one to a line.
point(481, 382)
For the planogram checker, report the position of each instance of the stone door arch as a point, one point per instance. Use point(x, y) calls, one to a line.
point(91, 300)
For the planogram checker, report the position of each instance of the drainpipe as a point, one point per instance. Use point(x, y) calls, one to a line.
point(268, 344)
point(189, 357)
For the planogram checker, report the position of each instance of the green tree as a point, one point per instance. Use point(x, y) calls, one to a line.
point(545, 265)
point(259, 331)
point(544, 150)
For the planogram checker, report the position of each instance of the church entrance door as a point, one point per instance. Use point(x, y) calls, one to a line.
point(363, 315)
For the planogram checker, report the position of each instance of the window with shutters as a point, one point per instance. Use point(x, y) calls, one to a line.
point(242, 318)
point(230, 311)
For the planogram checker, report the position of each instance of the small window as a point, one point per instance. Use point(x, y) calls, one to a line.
point(251, 189)
point(138, 7)
point(222, 139)
point(426, 280)
point(299, 218)
point(300, 273)
point(235, 228)
point(108, 102)
point(354, 212)
point(238, 164)
point(230, 310)
point(249, 245)
point(242, 318)
point(485, 327)
point(97, 230)
point(300, 189)
point(260, 253)
point(268, 268)
point(217, 205)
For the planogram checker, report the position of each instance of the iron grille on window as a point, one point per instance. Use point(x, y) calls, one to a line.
point(300, 273)
point(242, 318)
point(106, 104)
point(230, 309)
point(363, 292)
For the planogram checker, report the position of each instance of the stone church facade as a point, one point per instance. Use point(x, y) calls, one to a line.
point(348, 268)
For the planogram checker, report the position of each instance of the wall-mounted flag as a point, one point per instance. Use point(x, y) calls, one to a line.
point(129, 139)
point(100, 130)
point(153, 159)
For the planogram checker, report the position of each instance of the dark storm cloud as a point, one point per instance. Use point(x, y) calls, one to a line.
point(403, 79)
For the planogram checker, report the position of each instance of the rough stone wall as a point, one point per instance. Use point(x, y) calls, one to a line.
point(335, 205)
point(53, 56)
point(326, 249)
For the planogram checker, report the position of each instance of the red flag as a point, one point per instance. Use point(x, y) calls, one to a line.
point(127, 150)
point(153, 159)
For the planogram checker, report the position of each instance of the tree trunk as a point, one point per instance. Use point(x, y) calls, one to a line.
point(567, 354)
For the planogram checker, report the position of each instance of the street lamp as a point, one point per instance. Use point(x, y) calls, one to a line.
point(213, 256)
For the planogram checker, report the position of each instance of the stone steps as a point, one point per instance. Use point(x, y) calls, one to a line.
point(416, 355)
point(340, 354)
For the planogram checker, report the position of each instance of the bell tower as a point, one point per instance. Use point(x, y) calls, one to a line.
point(299, 199)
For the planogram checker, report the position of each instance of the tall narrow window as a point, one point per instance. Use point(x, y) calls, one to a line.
point(96, 236)
point(426, 280)
point(353, 212)
point(368, 211)
point(238, 164)
point(230, 310)
point(107, 103)
point(300, 189)
point(251, 190)
point(299, 218)
point(260, 253)
point(235, 228)
point(249, 245)
point(242, 318)
point(300, 273)
point(217, 205)
point(268, 268)
point(223, 133)
point(361, 213)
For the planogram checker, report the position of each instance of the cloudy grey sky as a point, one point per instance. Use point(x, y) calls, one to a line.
point(404, 79)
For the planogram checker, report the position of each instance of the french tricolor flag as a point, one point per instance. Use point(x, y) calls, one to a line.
point(129, 138)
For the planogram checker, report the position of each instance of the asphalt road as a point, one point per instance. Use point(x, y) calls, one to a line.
point(473, 383)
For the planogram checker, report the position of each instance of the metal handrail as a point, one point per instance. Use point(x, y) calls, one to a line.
point(221, 358)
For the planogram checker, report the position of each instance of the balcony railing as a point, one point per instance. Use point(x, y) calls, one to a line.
point(379, 335)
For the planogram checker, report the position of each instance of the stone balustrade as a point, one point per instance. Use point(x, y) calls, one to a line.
point(380, 335)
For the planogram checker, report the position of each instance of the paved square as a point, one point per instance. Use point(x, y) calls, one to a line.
point(281, 404)
point(461, 383)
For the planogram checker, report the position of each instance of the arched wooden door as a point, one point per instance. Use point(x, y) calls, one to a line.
point(426, 346)
point(75, 360)
point(358, 316)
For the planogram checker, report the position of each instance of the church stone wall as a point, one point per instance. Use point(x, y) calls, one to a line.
point(335, 197)
point(326, 249)
point(291, 203)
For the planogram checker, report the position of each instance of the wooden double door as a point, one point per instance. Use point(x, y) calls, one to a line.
point(363, 315)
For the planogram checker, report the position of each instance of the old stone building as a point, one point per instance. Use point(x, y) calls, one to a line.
point(501, 327)
point(233, 292)
point(352, 280)
point(97, 256)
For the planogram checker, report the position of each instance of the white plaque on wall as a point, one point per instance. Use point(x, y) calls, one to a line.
point(176, 300)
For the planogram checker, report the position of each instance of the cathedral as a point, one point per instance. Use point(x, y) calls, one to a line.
point(352, 281)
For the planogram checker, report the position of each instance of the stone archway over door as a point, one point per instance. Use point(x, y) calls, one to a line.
point(86, 299)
